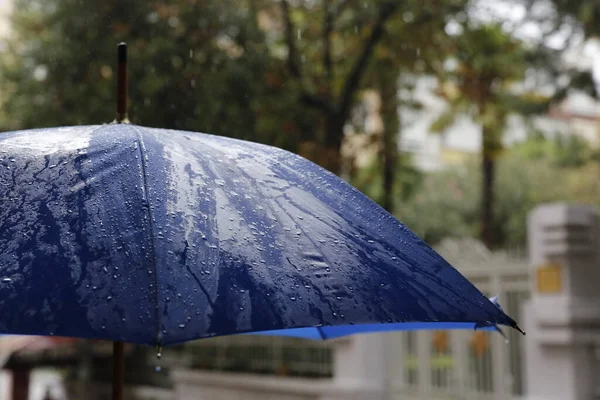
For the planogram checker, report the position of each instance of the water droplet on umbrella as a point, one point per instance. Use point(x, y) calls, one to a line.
point(292, 298)
point(182, 326)
point(6, 280)
point(109, 298)
point(159, 351)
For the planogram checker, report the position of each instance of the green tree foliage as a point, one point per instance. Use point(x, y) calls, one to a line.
point(423, 24)
point(584, 12)
point(281, 72)
point(488, 65)
point(407, 181)
point(337, 48)
point(446, 204)
point(196, 65)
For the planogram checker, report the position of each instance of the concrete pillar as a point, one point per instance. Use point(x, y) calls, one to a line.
point(359, 369)
point(562, 319)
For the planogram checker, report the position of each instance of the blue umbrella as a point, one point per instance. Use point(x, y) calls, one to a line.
point(152, 236)
point(135, 234)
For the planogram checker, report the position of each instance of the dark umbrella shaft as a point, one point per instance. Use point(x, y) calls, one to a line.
point(118, 370)
point(122, 83)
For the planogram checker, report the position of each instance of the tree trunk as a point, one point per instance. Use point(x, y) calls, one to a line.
point(331, 144)
point(488, 167)
point(389, 150)
point(326, 149)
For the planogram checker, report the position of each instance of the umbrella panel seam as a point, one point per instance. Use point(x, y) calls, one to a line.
point(143, 153)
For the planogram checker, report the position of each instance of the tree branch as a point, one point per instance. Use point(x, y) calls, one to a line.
point(292, 59)
point(353, 80)
point(318, 103)
point(294, 67)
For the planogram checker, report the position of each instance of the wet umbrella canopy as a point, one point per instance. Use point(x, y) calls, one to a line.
point(128, 233)
point(153, 236)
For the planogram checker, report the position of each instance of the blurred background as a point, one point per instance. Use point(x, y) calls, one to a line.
point(457, 116)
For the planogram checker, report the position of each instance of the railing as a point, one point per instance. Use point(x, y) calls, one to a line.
point(424, 364)
point(463, 364)
point(265, 355)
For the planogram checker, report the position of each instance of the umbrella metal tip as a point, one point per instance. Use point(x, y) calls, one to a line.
point(122, 51)
point(515, 326)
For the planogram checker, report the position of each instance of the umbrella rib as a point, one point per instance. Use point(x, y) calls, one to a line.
point(142, 150)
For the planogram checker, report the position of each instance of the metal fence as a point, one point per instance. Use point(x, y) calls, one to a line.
point(424, 364)
point(466, 364)
point(274, 355)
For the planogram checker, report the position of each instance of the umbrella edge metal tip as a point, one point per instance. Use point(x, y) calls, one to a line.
point(518, 328)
